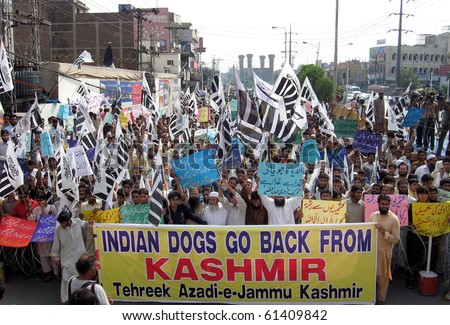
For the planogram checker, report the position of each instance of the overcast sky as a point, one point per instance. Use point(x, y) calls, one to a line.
point(233, 27)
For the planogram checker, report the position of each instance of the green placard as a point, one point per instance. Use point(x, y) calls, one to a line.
point(135, 214)
point(345, 128)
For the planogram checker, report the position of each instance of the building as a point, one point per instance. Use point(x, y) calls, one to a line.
point(424, 59)
point(153, 40)
point(265, 73)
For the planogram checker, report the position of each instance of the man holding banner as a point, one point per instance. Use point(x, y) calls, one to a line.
point(388, 235)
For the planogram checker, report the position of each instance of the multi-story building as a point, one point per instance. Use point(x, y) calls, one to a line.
point(425, 59)
point(152, 40)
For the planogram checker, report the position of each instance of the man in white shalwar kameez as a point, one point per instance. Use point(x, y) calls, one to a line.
point(215, 213)
point(236, 207)
point(68, 246)
point(281, 210)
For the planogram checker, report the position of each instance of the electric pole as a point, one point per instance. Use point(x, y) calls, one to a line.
point(399, 43)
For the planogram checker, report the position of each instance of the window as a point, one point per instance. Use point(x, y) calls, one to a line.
point(416, 70)
point(437, 58)
point(405, 57)
point(427, 57)
point(420, 71)
point(416, 57)
point(410, 57)
point(170, 62)
point(425, 71)
point(421, 57)
point(394, 55)
point(436, 71)
point(393, 70)
point(432, 57)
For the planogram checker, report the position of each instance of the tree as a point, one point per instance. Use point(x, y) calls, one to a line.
point(407, 76)
point(322, 85)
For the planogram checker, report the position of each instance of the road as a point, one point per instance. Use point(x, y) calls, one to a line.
point(35, 292)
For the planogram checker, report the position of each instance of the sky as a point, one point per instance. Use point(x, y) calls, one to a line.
point(233, 27)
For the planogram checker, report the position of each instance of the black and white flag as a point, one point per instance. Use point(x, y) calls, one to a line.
point(217, 99)
point(287, 86)
point(156, 199)
point(369, 111)
point(31, 120)
point(11, 177)
point(85, 56)
point(6, 81)
point(147, 101)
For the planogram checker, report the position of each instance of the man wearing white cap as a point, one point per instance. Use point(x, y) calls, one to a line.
point(428, 168)
point(215, 213)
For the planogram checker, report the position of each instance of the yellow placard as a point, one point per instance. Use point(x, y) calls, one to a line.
point(107, 216)
point(431, 219)
point(204, 114)
point(323, 212)
point(123, 119)
point(291, 264)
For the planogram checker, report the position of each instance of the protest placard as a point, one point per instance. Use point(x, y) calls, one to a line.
point(336, 157)
point(135, 214)
point(203, 114)
point(45, 229)
point(309, 153)
point(16, 232)
point(280, 179)
point(197, 169)
point(443, 196)
point(46, 145)
point(431, 219)
point(399, 206)
point(323, 212)
point(366, 141)
point(63, 112)
point(412, 117)
point(107, 216)
point(345, 128)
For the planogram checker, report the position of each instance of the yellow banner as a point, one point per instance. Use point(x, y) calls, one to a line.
point(123, 119)
point(323, 212)
point(107, 216)
point(203, 114)
point(431, 219)
point(292, 264)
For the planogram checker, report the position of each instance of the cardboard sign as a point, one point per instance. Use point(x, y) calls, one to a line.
point(280, 179)
point(431, 219)
point(323, 212)
point(399, 206)
point(135, 214)
point(309, 153)
point(345, 128)
point(412, 117)
point(366, 141)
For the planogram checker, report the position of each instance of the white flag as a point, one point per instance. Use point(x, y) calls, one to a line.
point(6, 81)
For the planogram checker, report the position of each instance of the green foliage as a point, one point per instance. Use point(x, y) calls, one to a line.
point(322, 85)
point(407, 76)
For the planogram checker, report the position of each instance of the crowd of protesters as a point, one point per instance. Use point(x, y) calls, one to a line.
point(404, 165)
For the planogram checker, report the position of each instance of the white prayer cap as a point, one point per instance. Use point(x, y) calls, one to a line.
point(214, 194)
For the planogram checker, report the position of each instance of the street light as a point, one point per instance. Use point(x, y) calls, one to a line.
point(285, 40)
point(317, 51)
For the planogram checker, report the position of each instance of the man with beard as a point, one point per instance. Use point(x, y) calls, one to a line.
point(402, 170)
point(428, 168)
point(281, 210)
point(235, 205)
point(355, 206)
point(215, 213)
point(389, 234)
point(322, 185)
point(256, 213)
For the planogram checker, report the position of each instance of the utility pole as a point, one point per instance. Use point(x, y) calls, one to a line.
point(214, 62)
point(335, 52)
point(399, 43)
point(290, 44)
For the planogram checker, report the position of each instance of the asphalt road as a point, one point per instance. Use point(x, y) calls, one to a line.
point(35, 292)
